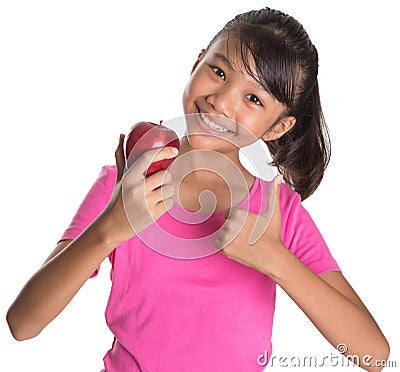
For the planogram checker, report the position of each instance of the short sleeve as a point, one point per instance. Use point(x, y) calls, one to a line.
point(92, 205)
point(301, 235)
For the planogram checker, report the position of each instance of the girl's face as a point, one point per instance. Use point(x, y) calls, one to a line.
point(230, 108)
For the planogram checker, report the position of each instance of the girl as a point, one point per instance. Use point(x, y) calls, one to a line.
point(257, 79)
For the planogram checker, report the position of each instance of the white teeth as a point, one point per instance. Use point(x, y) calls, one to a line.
point(214, 126)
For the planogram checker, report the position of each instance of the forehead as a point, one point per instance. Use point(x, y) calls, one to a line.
point(238, 59)
point(233, 54)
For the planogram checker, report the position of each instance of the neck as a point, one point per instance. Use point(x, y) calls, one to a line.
point(208, 168)
point(197, 156)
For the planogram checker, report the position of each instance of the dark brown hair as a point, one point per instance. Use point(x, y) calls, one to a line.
point(286, 64)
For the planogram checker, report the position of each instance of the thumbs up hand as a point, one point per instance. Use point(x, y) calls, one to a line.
point(250, 238)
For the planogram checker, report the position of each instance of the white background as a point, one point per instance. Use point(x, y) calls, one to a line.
point(74, 74)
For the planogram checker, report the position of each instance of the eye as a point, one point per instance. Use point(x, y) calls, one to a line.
point(217, 71)
point(254, 99)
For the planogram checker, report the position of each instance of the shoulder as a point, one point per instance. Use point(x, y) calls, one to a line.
point(293, 213)
point(105, 182)
point(288, 197)
point(93, 203)
point(103, 186)
point(109, 172)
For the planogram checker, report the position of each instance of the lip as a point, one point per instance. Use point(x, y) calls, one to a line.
point(221, 121)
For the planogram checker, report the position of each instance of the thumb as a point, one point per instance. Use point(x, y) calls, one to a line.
point(274, 217)
point(274, 197)
point(273, 210)
point(120, 158)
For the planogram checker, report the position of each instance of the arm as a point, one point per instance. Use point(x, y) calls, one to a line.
point(332, 306)
point(67, 268)
point(71, 263)
point(54, 285)
point(327, 299)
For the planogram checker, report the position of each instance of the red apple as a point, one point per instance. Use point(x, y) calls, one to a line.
point(145, 136)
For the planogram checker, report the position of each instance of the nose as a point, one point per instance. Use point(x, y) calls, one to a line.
point(224, 101)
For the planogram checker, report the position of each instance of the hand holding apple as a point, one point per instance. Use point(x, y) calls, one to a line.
point(144, 136)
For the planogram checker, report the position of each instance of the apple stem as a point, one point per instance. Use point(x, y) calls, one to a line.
point(161, 121)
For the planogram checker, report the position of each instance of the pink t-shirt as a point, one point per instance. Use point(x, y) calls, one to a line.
point(209, 313)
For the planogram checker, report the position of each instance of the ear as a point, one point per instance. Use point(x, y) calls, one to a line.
point(280, 129)
point(200, 56)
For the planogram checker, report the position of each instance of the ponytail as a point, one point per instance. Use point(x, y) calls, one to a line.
point(302, 154)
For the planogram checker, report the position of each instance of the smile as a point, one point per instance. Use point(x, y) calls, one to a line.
point(212, 125)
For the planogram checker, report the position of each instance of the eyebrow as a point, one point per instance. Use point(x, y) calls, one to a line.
point(224, 60)
point(227, 62)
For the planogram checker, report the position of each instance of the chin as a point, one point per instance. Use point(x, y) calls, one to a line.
point(211, 143)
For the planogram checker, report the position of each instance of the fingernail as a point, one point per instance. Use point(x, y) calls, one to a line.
point(279, 178)
point(174, 150)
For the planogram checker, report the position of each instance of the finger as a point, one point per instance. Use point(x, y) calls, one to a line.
point(167, 204)
point(225, 227)
point(161, 208)
point(166, 191)
point(236, 219)
point(120, 158)
point(271, 198)
point(157, 179)
point(151, 156)
point(218, 244)
point(277, 186)
point(166, 152)
point(160, 194)
point(275, 218)
point(232, 228)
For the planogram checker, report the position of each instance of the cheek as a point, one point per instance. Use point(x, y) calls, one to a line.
point(195, 84)
point(251, 131)
point(188, 97)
